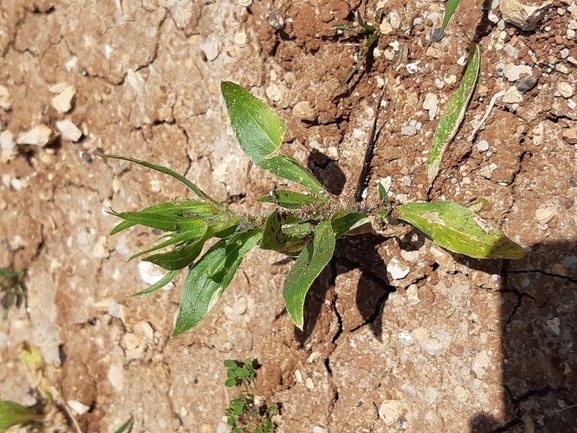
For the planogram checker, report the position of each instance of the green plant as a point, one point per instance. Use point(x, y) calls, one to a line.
point(13, 414)
point(12, 290)
point(127, 426)
point(304, 225)
point(372, 40)
point(244, 415)
point(440, 32)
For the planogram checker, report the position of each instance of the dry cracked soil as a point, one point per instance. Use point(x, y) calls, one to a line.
point(400, 335)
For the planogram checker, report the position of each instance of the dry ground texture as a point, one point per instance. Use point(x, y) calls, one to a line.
point(400, 335)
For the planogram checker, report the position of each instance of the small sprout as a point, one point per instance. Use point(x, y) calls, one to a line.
point(12, 290)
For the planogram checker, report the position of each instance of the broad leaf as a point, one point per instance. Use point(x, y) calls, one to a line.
point(454, 113)
point(259, 132)
point(310, 262)
point(460, 230)
point(290, 199)
point(347, 222)
point(12, 414)
point(210, 276)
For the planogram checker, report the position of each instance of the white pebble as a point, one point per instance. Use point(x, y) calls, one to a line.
point(69, 130)
point(63, 101)
point(397, 269)
point(390, 411)
point(5, 99)
point(406, 338)
point(483, 146)
point(565, 89)
point(76, 406)
point(240, 39)
point(412, 68)
point(512, 96)
point(513, 72)
point(273, 92)
point(40, 135)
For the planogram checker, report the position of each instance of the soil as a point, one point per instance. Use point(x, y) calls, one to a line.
point(456, 345)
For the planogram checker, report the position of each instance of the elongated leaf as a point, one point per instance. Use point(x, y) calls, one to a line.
point(272, 236)
point(259, 132)
point(169, 172)
point(288, 240)
point(12, 414)
point(187, 208)
point(347, 222)
point(159, 284)
point(127, 426)
point(180, 257)
point(440, 32)
point(460, 230)
point(210, 276)
point(171, 240)
point(162, 222)
point(311, 261)
point(290, 199)
point(454, 114)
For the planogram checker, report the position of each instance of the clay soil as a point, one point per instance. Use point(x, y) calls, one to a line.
point(451, 345)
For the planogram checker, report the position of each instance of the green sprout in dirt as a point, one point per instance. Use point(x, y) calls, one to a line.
point(305, 225)
point(372, 40)
point(243, 414)
point(12, 290)
point(13, 414)
point(439, 33)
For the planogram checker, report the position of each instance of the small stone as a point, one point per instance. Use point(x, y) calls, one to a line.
point(273, 92)
point(397, 269)
point(409, 130)
point(390, 411)
point(554, 325)
point(432, 346)
point(412, 68)
point(5, 99)
point(58, 88)
point(487, 171)
point(431, 102)
point(405, 338)
point(483, 146)
point(570, 135)
point(76, 406)
point(450, 79)
point(511, 51)
point(526, 83)
point(395, 20)
point(40, 135)
point(413, 295)
point(565, 89)
point(560, 67)
point(386, 28)
point(513, 72)
point(543, 216)
point(64, 100)
point(245, 3)
point(564, 53)
point(407, 180)
point(512, 96)
point(538, 132)
point(7, 147)
point(116, 377)
point(240, 39)
point(525, 16)
point(303, 111)
point(309, 383)
point(69, 130)
point(210, 50)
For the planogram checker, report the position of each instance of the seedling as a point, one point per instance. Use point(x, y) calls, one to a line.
point(12, 290)
point(439, 33)
point(13, 414)
point(372, 40)
point(244, 415)
point(305, 225)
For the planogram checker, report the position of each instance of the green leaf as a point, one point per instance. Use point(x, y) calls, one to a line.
point(454, 113)
point(259, 132)
point(185, 208)
point(306, 269)
point(347, 222)
point(12, 414)
point(459, 230)
point(172, 239)
point(229, 383)
point(210, 276)
point(162, 222)
point(160, 284)
point(229, 363)
point(440, 32)
point(290, 199)
point(126, 426)
point(169, 172)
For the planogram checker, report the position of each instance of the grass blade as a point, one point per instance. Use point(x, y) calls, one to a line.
point(310, 262)
point(160, 284)
point(169, 172)
point(440, 32)
point(161, 221)
point(454, 114)
point(210, 276)
point(127, 426)
point(459, 229)
point(259, 132)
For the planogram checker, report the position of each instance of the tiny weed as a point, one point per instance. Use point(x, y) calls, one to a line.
point(372, 40)
point(244, 415)
point(303, 225)
point(13, 414)
point(12, 290)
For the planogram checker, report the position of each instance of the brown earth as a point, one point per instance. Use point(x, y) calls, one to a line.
point(456, 345)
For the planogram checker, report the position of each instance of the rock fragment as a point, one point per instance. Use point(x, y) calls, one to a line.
point(565, 89)
point(390, 411)
point(524, 14)
point(69, 130)
point(40, 135)
point(513, 72)
point(570, 135)
point(512, 96)
point(5, 99)
point(303, 111)
point(63, 101)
